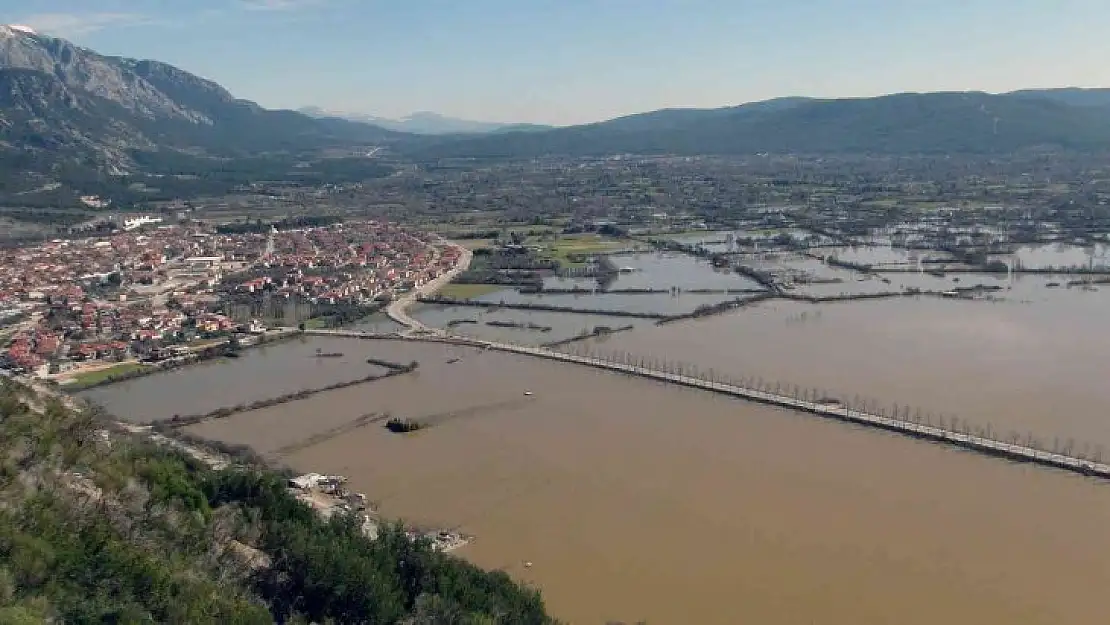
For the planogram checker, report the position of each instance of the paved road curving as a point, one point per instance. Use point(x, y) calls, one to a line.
point(398, 309)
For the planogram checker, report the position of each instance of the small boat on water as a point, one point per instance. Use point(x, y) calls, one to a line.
point(527, 393)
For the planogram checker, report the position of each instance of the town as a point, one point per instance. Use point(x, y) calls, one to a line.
point(93, 308)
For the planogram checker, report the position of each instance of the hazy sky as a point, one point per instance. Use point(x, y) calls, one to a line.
point(570, 61)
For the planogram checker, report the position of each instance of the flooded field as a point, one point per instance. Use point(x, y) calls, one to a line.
point(712, 240)
point(658, 270)
point(1059, 255)
point(666, 270)
point(813, 276)
point(636, 500)
point(1018, 366)
point(560, 282)
point(804, 274)
point(881, 255)
point(657, 303)
point(534, 327)
point(379, 323)
point(258, 373)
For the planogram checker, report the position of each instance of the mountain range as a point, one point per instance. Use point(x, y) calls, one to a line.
point(76, 121)
point(905, 123)
point(71, 115)
point(426, 123)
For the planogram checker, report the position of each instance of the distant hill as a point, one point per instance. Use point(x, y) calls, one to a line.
point(77, 122)
point(1072, 96)
point(71, 115)
point(427, 123)
point(953, 122)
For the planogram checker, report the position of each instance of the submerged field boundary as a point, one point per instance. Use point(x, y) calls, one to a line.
point(984, 444)
point(708, 310)
point(444, 301)
point(182, 421)
point(214, 351)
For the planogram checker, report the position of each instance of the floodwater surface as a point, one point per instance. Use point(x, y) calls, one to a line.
point(1059, 255)
point(635, 500)
point(258, 373)
point(641, 303)
point(378, 323)
point(1035, 367)
point(533, 327)
point(658, 270)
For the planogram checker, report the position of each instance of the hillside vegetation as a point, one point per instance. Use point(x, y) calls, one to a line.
point(98, 526)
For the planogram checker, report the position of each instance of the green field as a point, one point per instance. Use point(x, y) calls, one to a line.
point(467, 291)
point(91, 378)
point(581, 244)
point(473, 244)
point(316, 323)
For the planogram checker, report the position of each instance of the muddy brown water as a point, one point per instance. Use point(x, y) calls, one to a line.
point(1021, 367)
point(258, 373)
point(637, 500)
point(647, 303)
point(563, 326)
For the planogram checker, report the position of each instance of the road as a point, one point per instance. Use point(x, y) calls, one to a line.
point(398, 309)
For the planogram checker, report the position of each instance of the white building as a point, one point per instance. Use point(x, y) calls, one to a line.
point(131, 223)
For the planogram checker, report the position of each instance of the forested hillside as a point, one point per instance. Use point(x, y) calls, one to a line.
point(99, 526)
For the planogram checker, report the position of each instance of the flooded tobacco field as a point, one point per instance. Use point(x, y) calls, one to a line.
point(711, 240)
point(656, 270)
point(1030, 362)
point(641, 303)
point(883, 256)
point(634, 500)
point(659, 271)
point(1058, 255)
point(378, 323)
point(258, 373)
point(521, 327)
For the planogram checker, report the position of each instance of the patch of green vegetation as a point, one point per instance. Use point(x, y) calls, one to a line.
point(203, 343)
point(77, 546)
point(112, 528)
point(92, 378)
point(316, 323)
point(473, 244)
point(571, 249)
point(468, 291)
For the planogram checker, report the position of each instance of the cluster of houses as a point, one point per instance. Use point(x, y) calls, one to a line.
point(89, 333)
point(114, 297)
point(348, 262)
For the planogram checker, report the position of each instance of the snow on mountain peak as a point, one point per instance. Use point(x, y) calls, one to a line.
point(20, 28)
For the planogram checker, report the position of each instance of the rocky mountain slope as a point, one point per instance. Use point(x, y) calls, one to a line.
point(67, 111)
point(76, 122)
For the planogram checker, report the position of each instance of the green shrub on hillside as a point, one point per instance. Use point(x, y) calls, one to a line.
point(96, 529)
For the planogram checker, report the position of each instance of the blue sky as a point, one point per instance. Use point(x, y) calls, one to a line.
point(571, 61)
